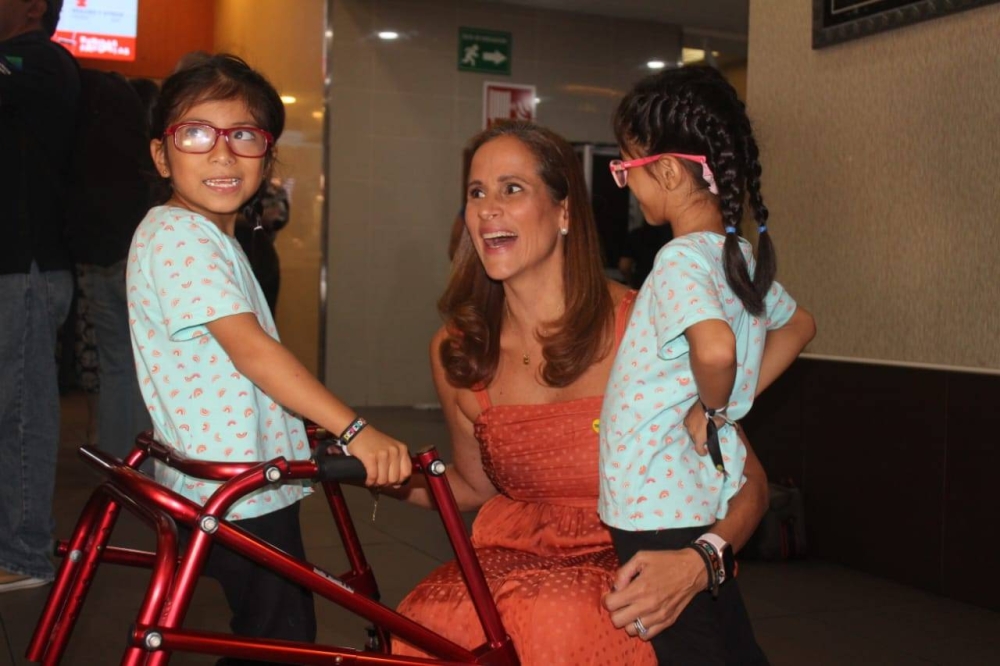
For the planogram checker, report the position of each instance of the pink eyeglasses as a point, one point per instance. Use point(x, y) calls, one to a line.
point(619, 169)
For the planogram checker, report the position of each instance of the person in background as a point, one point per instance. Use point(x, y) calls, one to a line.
point(641, 246)
point(39, 93)
point(148, 92)
point(107, 203)
point(257, 239)
point(84, 357)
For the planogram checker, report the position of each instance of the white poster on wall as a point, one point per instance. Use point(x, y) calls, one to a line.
point(99, 29)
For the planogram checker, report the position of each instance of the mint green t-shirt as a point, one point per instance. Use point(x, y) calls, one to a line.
point(183, 273)
point(651, 476)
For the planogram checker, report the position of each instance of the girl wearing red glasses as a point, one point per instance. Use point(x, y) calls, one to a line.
point(709, 331)
point(216, 380)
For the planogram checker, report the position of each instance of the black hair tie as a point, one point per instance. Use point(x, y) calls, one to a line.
point(714, 448)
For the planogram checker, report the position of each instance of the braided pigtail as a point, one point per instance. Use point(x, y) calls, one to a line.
point(731, 178)
point(767, 264)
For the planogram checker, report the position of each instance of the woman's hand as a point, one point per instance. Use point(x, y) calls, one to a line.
point(655, 586)
point(386, 460)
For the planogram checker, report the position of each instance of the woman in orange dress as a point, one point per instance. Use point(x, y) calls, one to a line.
point(520, 366)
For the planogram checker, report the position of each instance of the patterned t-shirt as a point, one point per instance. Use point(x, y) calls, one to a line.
point(184, 272)
point(651, 476)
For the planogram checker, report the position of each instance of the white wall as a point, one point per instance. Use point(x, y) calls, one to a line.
point(881, 158)
point(401, 114)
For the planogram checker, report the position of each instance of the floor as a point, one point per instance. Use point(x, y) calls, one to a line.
point(806, 612)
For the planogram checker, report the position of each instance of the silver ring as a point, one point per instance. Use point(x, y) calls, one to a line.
point(640, 627)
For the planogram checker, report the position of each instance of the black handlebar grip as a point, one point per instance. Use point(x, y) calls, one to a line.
point(338, 467)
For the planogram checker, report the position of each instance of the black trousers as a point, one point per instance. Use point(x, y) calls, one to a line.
point(709, 632)
point(264, 604)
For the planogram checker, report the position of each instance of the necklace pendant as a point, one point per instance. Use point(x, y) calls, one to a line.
point(525, 359)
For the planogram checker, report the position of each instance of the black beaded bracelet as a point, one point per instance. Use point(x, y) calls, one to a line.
point(350, 433)
point(716, 559)
point(713, 580)
point(713, 562)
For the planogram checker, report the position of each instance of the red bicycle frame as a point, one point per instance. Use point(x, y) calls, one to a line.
point(158, 631)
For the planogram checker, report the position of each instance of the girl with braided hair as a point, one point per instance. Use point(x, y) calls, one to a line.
point(710, 329)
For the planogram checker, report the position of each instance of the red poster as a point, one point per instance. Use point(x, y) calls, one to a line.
point(101, 47)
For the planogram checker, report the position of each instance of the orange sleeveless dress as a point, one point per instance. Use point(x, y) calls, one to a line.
point(547, 557)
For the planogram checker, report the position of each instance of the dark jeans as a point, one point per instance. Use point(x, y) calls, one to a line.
point(709, 632)
point(121, 409)
point(32, 306)
point(264, 604)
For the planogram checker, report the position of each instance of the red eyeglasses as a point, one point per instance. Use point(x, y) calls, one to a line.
point(200, 138)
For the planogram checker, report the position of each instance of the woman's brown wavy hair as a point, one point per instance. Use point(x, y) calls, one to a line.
point(473, 304)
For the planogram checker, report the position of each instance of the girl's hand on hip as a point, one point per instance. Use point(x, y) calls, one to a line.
point(655, 586)
point(697, 427)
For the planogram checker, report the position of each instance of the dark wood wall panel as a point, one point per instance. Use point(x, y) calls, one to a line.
point(898, 468)
point(873, 461)
point(972, 491)
point(775, 426)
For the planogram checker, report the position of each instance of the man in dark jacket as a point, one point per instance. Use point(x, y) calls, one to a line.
point(39, 87)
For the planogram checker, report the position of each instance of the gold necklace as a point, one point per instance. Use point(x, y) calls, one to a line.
point(525, 356)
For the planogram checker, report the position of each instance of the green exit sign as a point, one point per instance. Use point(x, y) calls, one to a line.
point(484, 51)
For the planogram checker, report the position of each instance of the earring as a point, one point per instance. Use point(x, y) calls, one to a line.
point(564, 231)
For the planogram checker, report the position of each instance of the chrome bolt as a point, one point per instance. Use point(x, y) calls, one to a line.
point(209, 524)
point(75, 556)
point(272, 474)
point(153, 640)
point(437, 468)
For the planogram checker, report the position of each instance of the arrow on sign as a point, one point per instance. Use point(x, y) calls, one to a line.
point(495, 57)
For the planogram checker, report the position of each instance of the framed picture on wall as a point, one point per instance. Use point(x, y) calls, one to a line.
point(837, 21)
